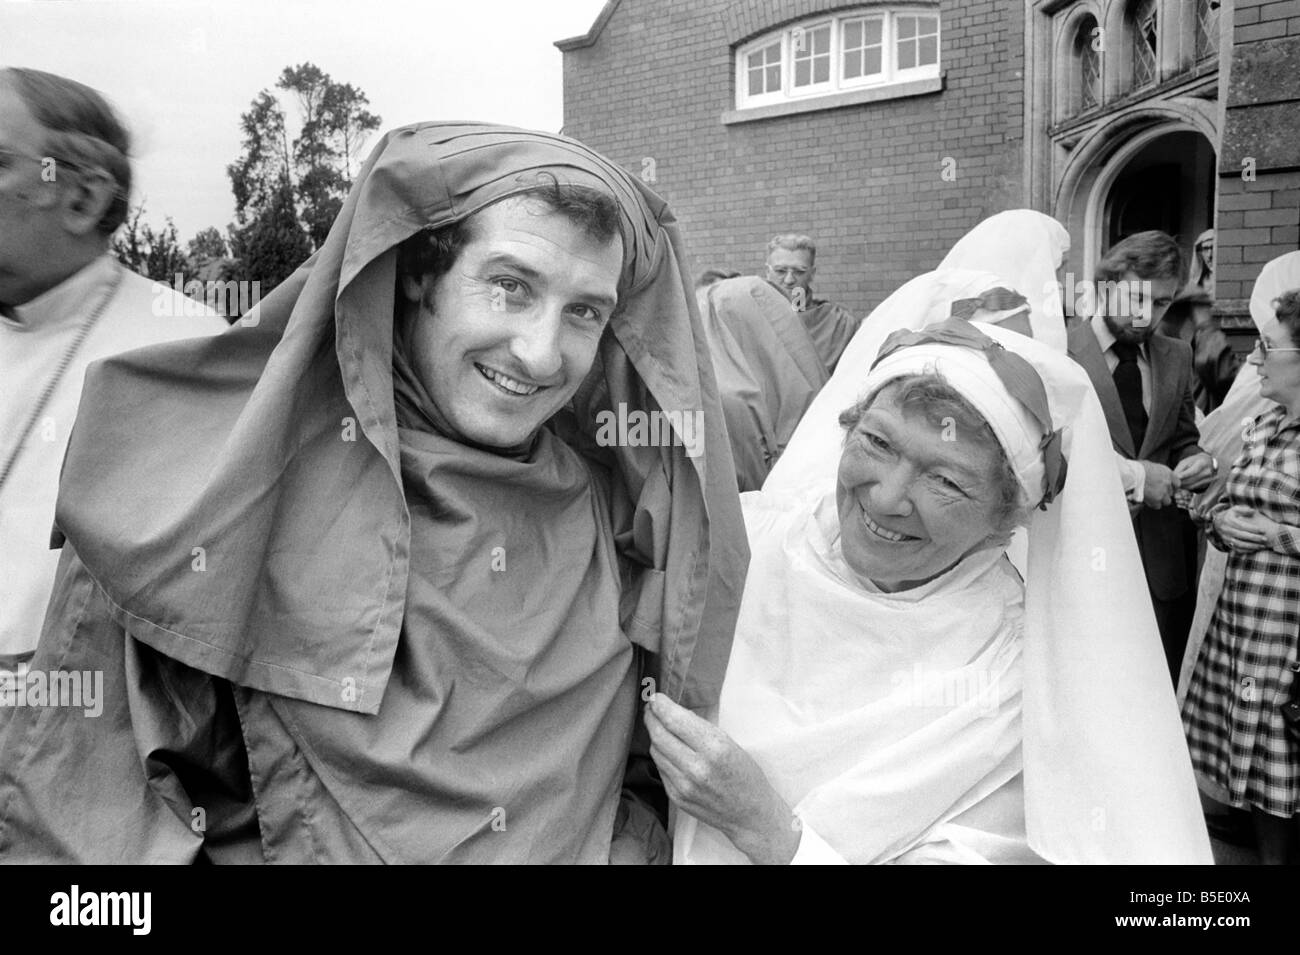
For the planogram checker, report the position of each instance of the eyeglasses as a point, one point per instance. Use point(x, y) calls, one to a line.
point(788, 273)
point(1264, 348)
point(9, 157)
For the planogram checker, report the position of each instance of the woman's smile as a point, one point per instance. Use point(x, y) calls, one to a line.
point(884, 533)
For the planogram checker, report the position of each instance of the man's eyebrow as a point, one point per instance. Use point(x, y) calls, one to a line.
point(507, 260)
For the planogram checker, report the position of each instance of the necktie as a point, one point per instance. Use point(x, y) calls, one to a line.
point(1128, 382)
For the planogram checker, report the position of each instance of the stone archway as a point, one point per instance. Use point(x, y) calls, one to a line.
point(1151, 167)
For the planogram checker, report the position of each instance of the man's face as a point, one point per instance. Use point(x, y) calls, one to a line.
point(789, 269)
point(1133, 307)
point(504, 338)
point(29, 220)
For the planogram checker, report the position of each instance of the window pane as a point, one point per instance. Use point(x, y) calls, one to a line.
point(773, 78)
point(853, 34)
point(874, 30)
point(853, 64)
point(755, 82)
point(822, 69)
point(928, 26)
point(1207, 28)
point(821, 40)
point(755, 60)
point(907, 55)
point(906, 27)
point(929, 54)
point(871, 62)
point(801, 72)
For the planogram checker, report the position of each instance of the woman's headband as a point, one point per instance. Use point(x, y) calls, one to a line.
point(1003, 386)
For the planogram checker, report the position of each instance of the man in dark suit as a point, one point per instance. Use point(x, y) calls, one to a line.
point(1144, 382)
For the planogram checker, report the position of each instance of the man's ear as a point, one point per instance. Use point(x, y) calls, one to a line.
point(812, 274)
point(88, 195)
point(412, 288)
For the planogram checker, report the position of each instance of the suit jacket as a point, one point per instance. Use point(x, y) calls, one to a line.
point(1171, 436)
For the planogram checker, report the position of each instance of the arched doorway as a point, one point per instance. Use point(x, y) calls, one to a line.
point(1166, 183)
point(1149, 167)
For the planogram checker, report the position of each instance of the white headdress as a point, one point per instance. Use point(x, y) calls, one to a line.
point(1107, 776)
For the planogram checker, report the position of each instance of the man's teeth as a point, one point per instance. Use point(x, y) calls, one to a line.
point(881, 532)
point(509, 384)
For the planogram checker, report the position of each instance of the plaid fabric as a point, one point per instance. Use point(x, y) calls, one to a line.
point(1248, 662)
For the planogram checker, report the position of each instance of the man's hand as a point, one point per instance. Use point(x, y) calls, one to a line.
point(1245, 529)
point(707, 775)
point(1160, 485)
point(1193, 473)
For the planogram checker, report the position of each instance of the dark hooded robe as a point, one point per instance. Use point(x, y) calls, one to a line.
point(329, 632)
point(767, 368)
point(830, 327)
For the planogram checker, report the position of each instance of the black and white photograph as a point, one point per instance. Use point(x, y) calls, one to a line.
point(652, 432)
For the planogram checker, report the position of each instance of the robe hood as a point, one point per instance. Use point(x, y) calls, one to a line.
point(239, 499)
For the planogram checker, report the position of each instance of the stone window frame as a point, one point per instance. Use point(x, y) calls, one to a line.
point(1180, 56)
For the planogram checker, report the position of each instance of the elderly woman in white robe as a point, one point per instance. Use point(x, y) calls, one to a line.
point(895, 693)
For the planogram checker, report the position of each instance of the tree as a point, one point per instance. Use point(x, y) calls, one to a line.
point(290, 192)
point(155, 255)
point(272, 244)
point(206, 246)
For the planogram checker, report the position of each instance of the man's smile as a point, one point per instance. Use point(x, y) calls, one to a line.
point(511, 386)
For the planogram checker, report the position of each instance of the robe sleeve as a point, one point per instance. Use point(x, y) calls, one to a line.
point(814, 850)
point(149, 768)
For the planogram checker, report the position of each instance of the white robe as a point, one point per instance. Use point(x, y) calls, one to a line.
point(890, 722)
point(32, 343)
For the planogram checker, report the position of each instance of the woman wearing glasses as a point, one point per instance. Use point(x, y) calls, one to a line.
point(1242, 746)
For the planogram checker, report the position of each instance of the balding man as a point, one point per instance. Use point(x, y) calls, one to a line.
point(65, 178)
point(791, 266)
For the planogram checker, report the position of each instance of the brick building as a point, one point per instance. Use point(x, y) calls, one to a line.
point(886, 130)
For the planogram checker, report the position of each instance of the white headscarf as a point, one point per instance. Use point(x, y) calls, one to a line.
point(1024, 248)
point(1107, 778)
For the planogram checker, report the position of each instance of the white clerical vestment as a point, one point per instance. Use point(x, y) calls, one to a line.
point(33, 341)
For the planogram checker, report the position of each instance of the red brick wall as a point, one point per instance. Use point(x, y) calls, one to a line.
point(864, 181)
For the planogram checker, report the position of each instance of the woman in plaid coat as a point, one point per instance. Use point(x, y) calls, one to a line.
point(1247, 667)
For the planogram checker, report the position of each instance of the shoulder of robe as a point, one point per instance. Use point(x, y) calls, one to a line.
point(156, 309)
point(766, 511)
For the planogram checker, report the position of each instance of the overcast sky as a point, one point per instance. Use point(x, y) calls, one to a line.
point(181, 71)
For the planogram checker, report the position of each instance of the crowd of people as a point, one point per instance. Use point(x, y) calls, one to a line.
point(360, 579)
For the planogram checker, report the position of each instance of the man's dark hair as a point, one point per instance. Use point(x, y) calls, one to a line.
point(1287, 307)
point(432, 253)
point(81, 131)
point(1148, 255)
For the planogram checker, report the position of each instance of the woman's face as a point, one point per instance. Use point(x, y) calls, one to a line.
point(1206, 249)
point(1279, 371)
point(913, 497)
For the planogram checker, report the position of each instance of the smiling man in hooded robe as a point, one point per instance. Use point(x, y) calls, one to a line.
point(386, 596)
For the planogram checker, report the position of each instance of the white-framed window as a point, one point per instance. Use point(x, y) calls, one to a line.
point(824, 55)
